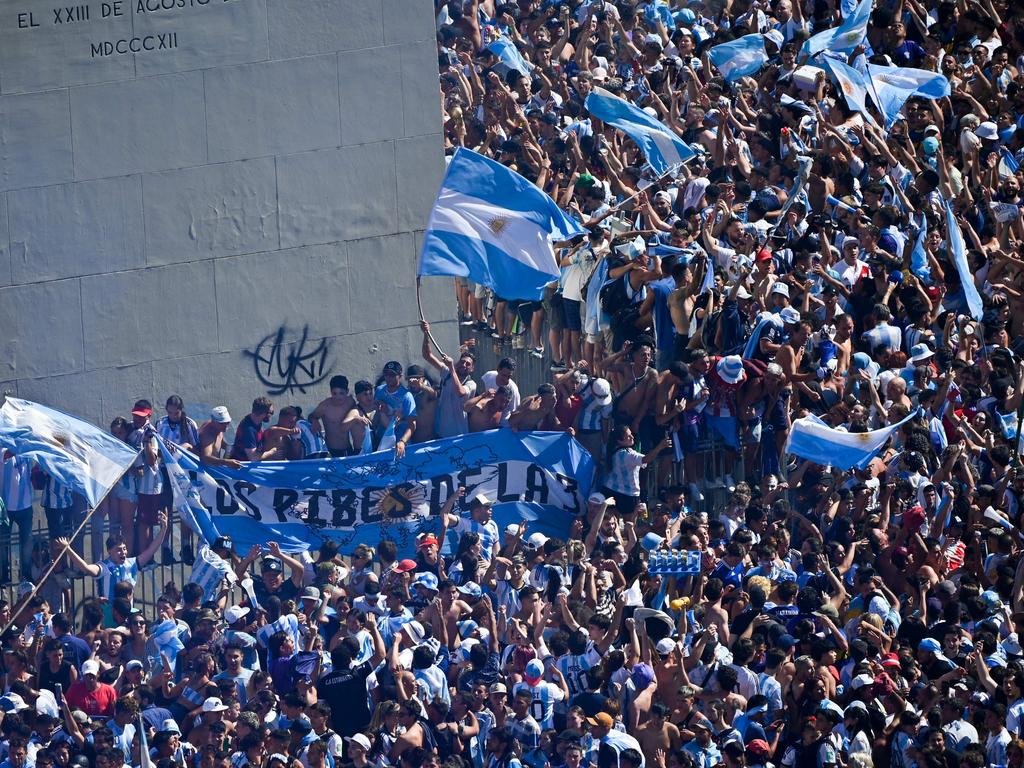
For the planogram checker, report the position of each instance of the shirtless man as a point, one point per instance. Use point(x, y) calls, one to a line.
point(791, 354)
point(844, 346)
point(682, 302)
point(485, 411)
point(357, 426)
point(537, 412)
point(277, 439)
point(211, 439)
point(637, 387)
point(657, 733)
point(327, 418)
point(426, 403)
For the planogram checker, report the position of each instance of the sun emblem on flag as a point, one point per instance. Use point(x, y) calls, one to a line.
point(864, 437)
point(497, 225)
point(847, 88)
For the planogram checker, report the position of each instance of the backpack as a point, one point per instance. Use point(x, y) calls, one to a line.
point(613, 296)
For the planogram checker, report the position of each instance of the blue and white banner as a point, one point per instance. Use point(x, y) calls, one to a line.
point(73, 452)
point(495, 227)
point(663, 149)
point(813, 439)
point(741, 57)
point(364, 499)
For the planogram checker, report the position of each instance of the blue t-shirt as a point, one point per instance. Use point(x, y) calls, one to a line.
point(247, 437)
point(401, 398)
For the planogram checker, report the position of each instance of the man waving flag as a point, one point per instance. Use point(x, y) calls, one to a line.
point(495, 227)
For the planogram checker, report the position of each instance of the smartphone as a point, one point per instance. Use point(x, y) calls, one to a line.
point(58, 691)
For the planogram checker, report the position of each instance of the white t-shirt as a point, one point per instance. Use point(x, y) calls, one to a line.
point(490, 380)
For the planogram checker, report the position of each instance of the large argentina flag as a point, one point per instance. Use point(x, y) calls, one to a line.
point(75, 453)
point(662, 148)
point(495, 227)
point(813, 439)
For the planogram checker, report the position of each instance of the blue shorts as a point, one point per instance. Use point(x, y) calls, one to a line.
point(689, 432)
point(571, 315)
point(725, 426)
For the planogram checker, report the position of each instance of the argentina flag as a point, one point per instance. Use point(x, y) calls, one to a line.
point(892, 86)
point(853, 85)
point(845, 37)
point(73, 452)
point(495, 227)
point(813, 439)
point(509, 57)
point(662, 148)
point(739, 58)
point(958, 251)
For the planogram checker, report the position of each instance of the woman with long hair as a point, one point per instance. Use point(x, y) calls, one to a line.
point(622, 479)
point(385, 730)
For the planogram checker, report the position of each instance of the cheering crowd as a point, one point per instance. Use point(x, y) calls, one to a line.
point(813, 259)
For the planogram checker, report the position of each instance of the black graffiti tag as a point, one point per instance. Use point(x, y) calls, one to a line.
point(283, 366)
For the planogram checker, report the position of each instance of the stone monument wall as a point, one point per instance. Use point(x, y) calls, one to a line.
point(216, 198)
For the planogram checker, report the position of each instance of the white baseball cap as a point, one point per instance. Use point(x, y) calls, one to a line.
point(359, 739)
point(234, 613)
point(90, 667)
point(214, 704)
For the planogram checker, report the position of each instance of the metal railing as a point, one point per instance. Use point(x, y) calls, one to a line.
point(531, 372)
point(91, 545)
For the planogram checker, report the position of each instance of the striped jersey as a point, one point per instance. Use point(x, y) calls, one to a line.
point(286, 623)
point(111, 573)
point(545, 695)
point(209, 572)
point(594, 413)
point(574, 670)
point(365, 647)
point(56, 495)
point(624, 473)
point(17, 483)
point(432, 684)
point(488, 533)
point(507, 595)
point(884, 335)
point(313, 446)
point(184, 431)
point(151, 481)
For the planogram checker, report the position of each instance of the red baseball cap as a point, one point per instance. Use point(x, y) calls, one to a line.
point(763, 255)
point(426, 541)
point(405, 565)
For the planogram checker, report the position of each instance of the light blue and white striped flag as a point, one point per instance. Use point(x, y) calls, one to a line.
point(73, 452)
point(741, 57)
point(853, 85)
point(495, 227)
point(845, 37)
point(813, 439)
point(509, 57)
point(184, 495)
point(663, 149)
point(918, 256)
point(1008, 164)
point(958, 251)
point(892, 86)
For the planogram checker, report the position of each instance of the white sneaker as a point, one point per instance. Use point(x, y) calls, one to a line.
point(730, 484)
point(695, 494)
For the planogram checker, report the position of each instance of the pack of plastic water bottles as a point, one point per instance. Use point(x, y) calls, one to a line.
point(674, 562)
